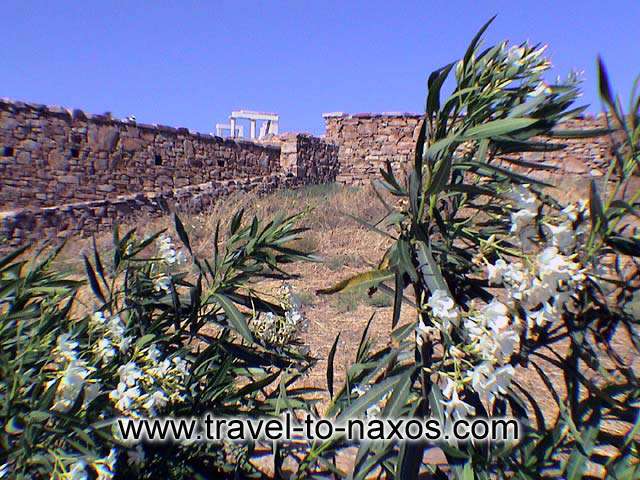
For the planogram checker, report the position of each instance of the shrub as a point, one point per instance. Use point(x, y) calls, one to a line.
point(504, 277)
point(160, 338)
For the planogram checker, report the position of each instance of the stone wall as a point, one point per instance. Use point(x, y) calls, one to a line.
point(86, 218)
point(367, 141)
point(308, 158)
point(51, 155)
point(66, 172)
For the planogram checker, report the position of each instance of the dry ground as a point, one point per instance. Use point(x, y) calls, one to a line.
point(345, 247)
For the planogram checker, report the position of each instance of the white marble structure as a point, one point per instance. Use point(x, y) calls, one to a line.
point(269, 124)
point(221, 128)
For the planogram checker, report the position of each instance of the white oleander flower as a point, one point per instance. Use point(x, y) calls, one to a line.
point(116, 328)
point(105, 350)
point(539, 292)
point(162, 369)
point(494, 272)
point(129, 373)
point(563, 236)
point(523, 198)
point(489, 382)
point(70, 386)
point(497, 316)
point(526, 203)
point(91, 391)
point(554, 267)
point(444, 308)
point(162, 284)
point(546, 314)
point(506, 343)
point(155, 400)
point(98, 318)
point(154, 353)
point(124, 397)
point(125, 343)
point(66, 347)
point(456, 408)
point(168, 252)
point(181, 365)
point(423, 330)
point(571, 211)
point(521, 219)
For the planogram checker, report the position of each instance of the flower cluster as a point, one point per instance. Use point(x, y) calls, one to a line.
point(111, 334)
point(544, 287)
point(147, 383)
point(479, 343)
point(490, 335)
point(105, 468)
point(71, 373)
point(281, 330)
point(168, 252)
point(526, 207)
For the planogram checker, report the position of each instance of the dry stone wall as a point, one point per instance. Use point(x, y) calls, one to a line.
point(86, 218)
point(64, 172)
point(367, 141)
point(309, 158)
point(50, 155)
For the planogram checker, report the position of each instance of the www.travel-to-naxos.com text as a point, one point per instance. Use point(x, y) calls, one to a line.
point(210, 428)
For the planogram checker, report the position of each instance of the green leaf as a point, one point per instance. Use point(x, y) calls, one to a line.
point(236, 221)
point(467, 472)
point(93, 281)
point(495, 128)
point(476, 40)
point(372, 396)
point(361, 280)
point(625, 245)
point(598, 220)
point(440, 177)
point(7, 259)
point(236, 319)
point(434, 84)
point(604, 84)
point(182, 233)
point(330, 359)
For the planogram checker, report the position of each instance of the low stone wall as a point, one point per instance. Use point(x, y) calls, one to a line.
point(86, 218)
point(308, 158)
point(65, 172)
point(51, 155)
point(367, 141)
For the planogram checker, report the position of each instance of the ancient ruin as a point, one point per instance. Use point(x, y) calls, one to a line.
point(65, 171)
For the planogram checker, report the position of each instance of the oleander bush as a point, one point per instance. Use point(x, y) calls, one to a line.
point(504, 277)
point(160, 337)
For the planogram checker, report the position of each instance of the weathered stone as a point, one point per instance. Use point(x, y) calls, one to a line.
point(103, 137)
point(132, 144)
point(69, 179)
point(56, 159)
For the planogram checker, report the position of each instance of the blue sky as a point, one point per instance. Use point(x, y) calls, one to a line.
point(187, 63)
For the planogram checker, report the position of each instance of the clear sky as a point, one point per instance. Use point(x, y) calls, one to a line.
point(187, 63)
